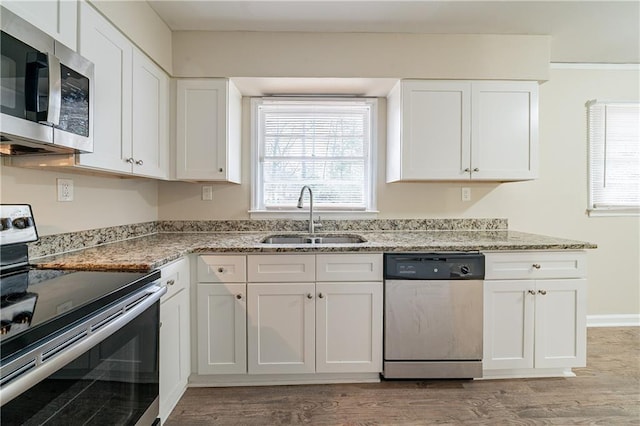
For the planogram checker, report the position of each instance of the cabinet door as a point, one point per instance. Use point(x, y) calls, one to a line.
point(112, 55)
point(560, 323)
point(508, 324)
point(222, 329)
point(281, 328)
point(504, 132)
point(58, 18)
point(175, 356)
point(349, 327)
point(150, 132)
point(208, 130)
point(435, 130)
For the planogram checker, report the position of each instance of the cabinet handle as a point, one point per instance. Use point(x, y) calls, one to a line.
point(171, 282)
point(139, 162)
point(536, 266)
point(476, 169)
point(321, 296)
point(130, 160)
point(221, 170)
point(532, 292)
point(221, 269)
point(309, 296)
point(239, 296)
point(467, 170)
point(542, 292)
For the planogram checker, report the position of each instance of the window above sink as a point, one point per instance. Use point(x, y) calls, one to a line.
point(326, 143)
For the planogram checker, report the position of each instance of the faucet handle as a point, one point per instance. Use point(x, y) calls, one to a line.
point(317, 224)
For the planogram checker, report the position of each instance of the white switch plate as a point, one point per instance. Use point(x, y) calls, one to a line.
point(65, 189)
point(466, 194)
point(207, 193)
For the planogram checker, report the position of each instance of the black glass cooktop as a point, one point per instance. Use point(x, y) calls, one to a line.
point(36, 303)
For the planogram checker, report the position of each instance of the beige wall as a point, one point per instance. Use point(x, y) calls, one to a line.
point(99, 201)
point(142, 25)
point(555, 204)
point(265, 54)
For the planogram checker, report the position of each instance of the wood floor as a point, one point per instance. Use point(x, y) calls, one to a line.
point(607, 392)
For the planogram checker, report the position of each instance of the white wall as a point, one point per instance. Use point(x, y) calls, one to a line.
point(99, 201)
point(555, 204)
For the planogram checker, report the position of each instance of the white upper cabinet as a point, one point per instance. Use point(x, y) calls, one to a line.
point(462, 130)
point(208, 130)
point(131, 133)
point(150, 118)
point(112, 55)
point(58, 18)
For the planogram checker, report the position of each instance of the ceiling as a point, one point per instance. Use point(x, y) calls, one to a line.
point(582, 31)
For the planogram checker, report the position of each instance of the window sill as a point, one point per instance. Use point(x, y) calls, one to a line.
point(304, 214)
point(613, 212)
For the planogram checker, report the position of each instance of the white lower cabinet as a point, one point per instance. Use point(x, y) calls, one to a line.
point(532, 326)
point(281, 328)
point(349, 327)
point(321, 327)
point(278, 318)
point(175, 359)
point(222, 332)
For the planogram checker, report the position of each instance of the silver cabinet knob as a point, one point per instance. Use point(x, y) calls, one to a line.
point(542, 292)
point(532, 292)
point(476, 169)
point(171, 282)
point(309, 296)
point(221, 269)
point(536, 266)
point(321, 296)
point(130, 160)
point(239, 296)
point(221, 170)
point(467, 170)
point(139, 162)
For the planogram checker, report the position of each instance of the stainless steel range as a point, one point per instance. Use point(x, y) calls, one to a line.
point(433, 315)
point(77, 347)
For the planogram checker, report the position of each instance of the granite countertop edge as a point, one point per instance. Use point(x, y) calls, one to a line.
point(151, 252)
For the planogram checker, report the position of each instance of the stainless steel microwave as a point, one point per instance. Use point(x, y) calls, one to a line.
point(46, 93)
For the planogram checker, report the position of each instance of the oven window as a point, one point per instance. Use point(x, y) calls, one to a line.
point(113, 383)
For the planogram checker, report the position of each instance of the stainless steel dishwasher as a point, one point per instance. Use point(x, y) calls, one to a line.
point(433, 315)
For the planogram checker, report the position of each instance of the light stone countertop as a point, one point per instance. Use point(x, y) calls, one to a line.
point(150, 252)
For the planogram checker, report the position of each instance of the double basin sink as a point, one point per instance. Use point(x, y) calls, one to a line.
point(314, 239)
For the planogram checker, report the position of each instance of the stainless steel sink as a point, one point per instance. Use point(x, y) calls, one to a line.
point(313, 239)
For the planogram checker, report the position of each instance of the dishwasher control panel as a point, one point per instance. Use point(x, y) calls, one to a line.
point(434, 266)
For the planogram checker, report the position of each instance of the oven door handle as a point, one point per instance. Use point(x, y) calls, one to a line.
point(39, 363)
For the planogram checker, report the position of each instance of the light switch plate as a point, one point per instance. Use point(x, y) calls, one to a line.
point(65, 189)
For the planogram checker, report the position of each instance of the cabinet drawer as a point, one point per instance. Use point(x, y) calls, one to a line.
point(535, 265)
point(222, 269)
point(349, 267)
point(272, 268)
point(175, 276)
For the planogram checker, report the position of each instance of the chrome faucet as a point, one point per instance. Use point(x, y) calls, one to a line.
point(311, 224)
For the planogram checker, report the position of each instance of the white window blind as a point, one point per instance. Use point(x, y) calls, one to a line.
point(614, 157)
point(323, 143)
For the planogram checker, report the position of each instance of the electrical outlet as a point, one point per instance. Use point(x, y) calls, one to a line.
point(207, 193)
point(466, 194)
point(65, 189)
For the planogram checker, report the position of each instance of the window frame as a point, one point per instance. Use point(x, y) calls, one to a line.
point(592, 209)
point(258, 210)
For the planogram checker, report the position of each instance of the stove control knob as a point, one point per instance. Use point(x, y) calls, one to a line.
point(5, 223)
point(464, 269)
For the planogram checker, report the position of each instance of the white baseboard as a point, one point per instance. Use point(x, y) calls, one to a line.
point(625, 320)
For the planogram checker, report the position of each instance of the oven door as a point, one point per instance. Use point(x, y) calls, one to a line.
point(112, 382)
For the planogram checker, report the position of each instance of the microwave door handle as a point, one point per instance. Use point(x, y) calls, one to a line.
point(55, 91)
